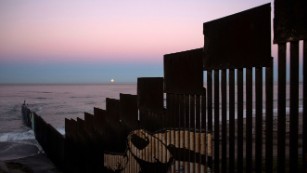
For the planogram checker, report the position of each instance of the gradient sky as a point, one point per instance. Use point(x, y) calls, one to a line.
point(93, 41)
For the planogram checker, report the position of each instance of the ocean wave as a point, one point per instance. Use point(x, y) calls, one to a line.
point(17, 136)
point(81, 97)
point(22, 136)
point(61, 130)
point(46, 92)
point(41, 98)
point(38, 92)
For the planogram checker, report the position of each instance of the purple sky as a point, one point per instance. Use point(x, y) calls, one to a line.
point(78, 41)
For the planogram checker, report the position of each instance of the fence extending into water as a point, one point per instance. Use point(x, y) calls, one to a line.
point(48, 137)
point(178, 124)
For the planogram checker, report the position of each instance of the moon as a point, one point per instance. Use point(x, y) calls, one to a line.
point(112, 80)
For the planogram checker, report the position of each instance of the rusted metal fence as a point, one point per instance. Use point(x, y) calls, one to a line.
point(290, 29)
point(222, 121)
point(248, 136)
point(186, 108)
point(165, 135)
point(238, 47)
point(49, 138)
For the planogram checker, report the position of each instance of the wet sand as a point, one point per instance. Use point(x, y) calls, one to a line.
point(24, 158)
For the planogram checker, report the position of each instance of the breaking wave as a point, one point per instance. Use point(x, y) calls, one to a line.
point(17, 136)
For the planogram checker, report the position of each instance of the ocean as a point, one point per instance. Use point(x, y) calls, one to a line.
point(53, 102)
point(57, 102)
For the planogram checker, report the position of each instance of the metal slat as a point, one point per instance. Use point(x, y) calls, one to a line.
point(203, 119)
point(150, 93)
point(89, 123)
point(187, 80)
point(203, 129)
point(192, 128)
point(99, 119)
point(281, 107)
point(249, 119)
point(179, 113)
point(216, 122)
point(231, 121)
point(192, 112)
point(259, 101)
point(170, 110)
point(294, 79)
point(269, 119)
point(186, 124)
point(157, 150)
point(240, 120)
point(198, 127)
point(305, 106)
point(226, 39)
point(189, 126)
point(129, 111)
point(152, 151)
point(290, 20)
point(174, 117)
point(209, 109)
point(113, 109)
point(165, 125)
point(67, 146)
point(224, 121)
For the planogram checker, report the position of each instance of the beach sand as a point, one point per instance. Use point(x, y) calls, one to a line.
point(24, 158)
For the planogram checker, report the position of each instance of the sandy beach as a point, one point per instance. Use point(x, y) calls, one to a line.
point(24, 158)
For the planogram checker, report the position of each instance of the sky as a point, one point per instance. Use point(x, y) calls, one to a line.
point(94, 41)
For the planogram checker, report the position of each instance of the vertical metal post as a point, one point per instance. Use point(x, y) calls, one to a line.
point(259, 101)
point(209, 110)
point(281, 106)
point(231, 121)
point(294, 73)
point(305, 106)
point(269, 118)
point(240, 120)
point(249, 119)
point(216, 121)
point(224, 121)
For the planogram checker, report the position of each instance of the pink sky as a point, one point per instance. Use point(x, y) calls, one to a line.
point(97, 30)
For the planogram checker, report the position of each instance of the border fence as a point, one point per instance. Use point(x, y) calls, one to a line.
point(213, 111)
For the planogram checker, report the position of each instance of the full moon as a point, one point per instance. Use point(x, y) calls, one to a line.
point(112, 80)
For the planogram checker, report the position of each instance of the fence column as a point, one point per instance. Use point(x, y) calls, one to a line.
point(240, 41)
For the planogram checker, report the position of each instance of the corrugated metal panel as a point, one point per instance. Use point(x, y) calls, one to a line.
point(150, 93)
point(239, 40)
point(113, 107)
point(290, 20)
point(183, 72)
point(129, 111)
